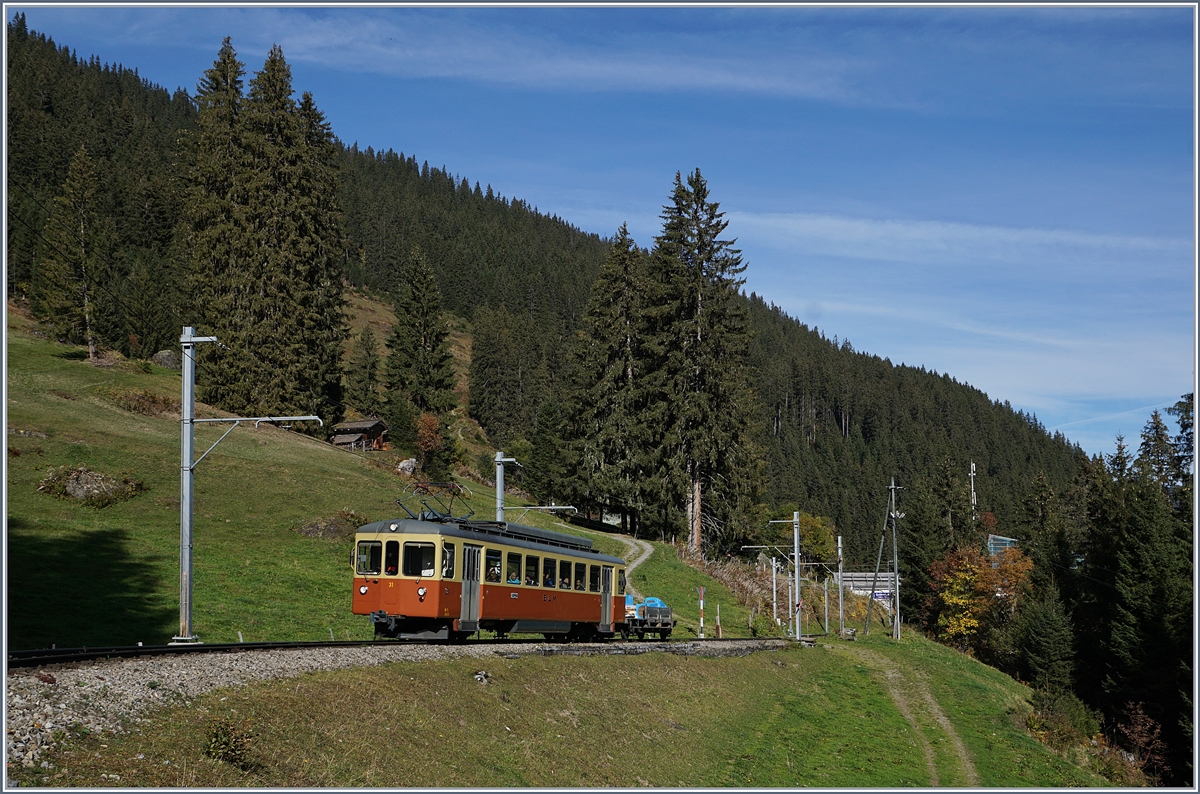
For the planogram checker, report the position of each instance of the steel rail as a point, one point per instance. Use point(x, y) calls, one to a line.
point(47, 656)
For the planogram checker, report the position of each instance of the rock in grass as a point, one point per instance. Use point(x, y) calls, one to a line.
point(167, 358)
point(90, 487)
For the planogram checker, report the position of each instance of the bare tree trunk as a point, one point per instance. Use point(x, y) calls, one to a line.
point(87, 311)
point(697, 539)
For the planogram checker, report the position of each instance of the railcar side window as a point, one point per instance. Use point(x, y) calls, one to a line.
point(621, 582)
point(580, 575)
point(448, 561)
point(549, 567)
point(370, 553)
point(594, 579)
point(512, 573)
point(493, 565)
point(531, 570)
point(391, 557)
point(418, 559)
point(564, 574)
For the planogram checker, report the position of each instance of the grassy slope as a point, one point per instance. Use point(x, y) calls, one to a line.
point(797, 717)
point(81, 576)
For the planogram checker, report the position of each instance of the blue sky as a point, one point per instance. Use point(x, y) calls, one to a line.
point(1002, 194)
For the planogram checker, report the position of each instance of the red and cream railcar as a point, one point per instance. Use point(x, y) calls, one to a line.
point(429, 579)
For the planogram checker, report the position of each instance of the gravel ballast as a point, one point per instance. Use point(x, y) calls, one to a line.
point(46, 703)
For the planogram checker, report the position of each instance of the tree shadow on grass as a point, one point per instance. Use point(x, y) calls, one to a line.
point(85, 589)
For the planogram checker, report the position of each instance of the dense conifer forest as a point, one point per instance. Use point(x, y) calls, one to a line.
point(581, 359)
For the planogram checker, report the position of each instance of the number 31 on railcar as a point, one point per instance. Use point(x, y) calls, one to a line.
point(430, 579)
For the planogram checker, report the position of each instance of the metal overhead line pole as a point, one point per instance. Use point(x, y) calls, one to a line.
point(896, 560)
point(794, 595)
point(500, 461)
point(796, 557)
point(841, 594)
point(188, 422)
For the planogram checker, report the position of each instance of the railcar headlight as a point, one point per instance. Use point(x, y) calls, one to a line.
point(362, 590)
point(393, 526)
point(421, 592)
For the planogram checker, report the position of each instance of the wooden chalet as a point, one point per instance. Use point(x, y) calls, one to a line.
point(362, 435)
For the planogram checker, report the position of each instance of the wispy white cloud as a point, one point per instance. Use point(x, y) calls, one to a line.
point(937, 243)
point(463, 46)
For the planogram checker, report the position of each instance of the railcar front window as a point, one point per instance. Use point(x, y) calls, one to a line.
point(418, 559)
point(512, 572)
point(580, 575)
point(564, 574)
point(370, 553)
point(594, 579)
point(391, 557)
point(493, 565)
point(548, 572)
point(621, 582)
point(448, 561)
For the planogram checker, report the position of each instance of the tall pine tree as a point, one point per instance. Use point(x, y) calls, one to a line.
point(609, 416)
point(697, 341)
point(65, 294)
point(420, 365)
point(264, 242)
point(362, 376)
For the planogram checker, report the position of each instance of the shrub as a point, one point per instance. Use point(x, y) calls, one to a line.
point(143, 402)
point(1062, 720)
point(229, 742)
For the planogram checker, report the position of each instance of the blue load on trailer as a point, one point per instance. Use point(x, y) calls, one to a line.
point(652, 616)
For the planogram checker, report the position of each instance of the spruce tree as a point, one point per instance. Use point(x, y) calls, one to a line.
point(419, 364)
point(614, 442)
point(65, 285)
point(265, 244)
point(697, 341)
point(362, 375)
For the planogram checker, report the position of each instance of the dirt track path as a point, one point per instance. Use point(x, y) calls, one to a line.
point(638, 552)
point(910, 692)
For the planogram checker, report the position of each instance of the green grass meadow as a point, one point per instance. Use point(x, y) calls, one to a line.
point(792, 718)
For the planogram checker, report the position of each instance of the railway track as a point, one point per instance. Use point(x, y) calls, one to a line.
point(48, 656)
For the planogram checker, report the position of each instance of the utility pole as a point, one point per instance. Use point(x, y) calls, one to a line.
point(874, 579)
point(794, 597)
point(827, 603)
point(974, 517)
point(500, 461)
point(796, 553)
point(188, 422)
point(187, 411)
point(841, 593)
point(774, 593)
point(895, 515)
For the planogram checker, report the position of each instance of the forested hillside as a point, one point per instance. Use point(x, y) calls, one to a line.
point(59, 102)
point(841, 423)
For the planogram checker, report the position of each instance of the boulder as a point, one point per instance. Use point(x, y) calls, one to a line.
point(166, 358)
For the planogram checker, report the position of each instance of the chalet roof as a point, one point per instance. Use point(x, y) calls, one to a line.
point(361, 426)
point(346, 438)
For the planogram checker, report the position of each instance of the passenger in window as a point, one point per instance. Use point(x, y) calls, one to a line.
point(493, 574)
point(391, 570)
point(531, 580)
point(566, 583)
point(578, 584)
point(514, 579)
point(549, 579)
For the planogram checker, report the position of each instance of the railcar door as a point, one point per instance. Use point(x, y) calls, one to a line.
point(606, 609)
point(468, 616)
